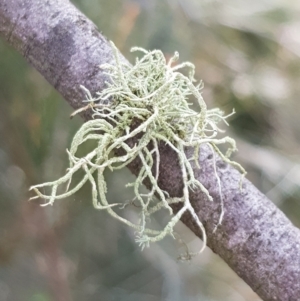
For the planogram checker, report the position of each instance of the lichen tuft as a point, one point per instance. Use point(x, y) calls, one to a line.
point(154, 95)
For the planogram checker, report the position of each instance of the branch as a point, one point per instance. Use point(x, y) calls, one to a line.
point(256, 239)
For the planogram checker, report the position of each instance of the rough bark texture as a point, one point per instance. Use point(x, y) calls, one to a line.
point(256, 239)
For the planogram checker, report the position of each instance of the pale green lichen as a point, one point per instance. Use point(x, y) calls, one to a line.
point(153, 95)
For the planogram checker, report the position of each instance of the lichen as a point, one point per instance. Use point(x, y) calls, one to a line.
point(154, 96)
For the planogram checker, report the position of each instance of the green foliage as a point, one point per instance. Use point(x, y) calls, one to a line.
point(148, 104)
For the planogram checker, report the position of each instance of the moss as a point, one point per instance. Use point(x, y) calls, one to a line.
point(154, 95)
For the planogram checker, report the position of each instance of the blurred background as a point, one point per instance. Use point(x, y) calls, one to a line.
point(246, 53)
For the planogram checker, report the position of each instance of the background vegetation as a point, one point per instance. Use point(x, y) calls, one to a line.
point(247, 54)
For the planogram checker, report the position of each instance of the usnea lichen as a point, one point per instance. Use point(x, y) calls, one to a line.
point(153, 95)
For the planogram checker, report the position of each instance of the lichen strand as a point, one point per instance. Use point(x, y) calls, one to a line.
point(154, 95)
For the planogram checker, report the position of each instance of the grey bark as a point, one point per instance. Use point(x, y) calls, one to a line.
point(255, 239)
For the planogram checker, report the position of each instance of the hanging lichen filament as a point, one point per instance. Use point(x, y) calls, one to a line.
point(153, 94)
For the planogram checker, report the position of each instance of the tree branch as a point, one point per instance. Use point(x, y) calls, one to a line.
point(256, 239)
